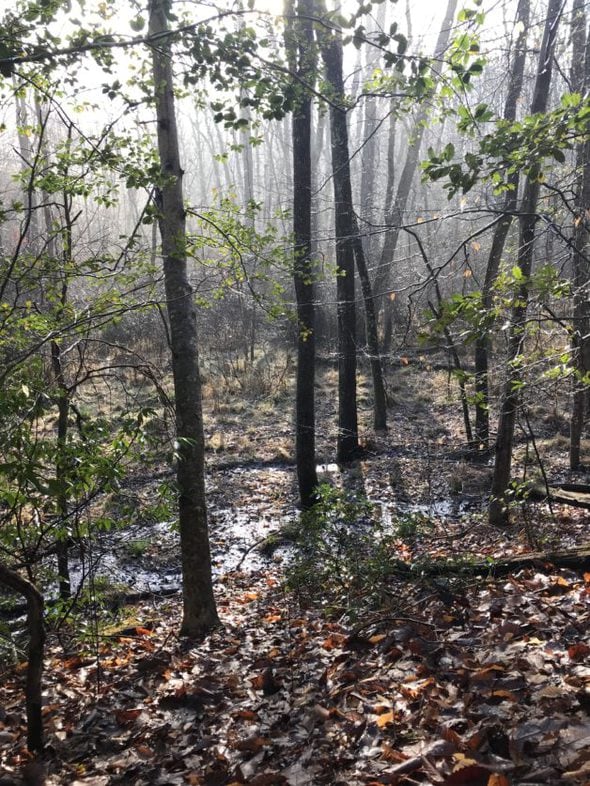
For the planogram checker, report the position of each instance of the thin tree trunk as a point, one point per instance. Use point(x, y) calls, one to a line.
point(348, 444)
point(370, 153)
point(482, 341)
point(498, 511)
point(299, 40)
point(396, 216)
point(349, 245)
point(581, 265)
point(63, 393)
point(33, 698)
point(28, 165)
point(199, 612)
point(379, 395)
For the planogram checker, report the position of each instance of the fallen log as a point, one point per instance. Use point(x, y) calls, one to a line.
point(575, 494)
point(577, 559)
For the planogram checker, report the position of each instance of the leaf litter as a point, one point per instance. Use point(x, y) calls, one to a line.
point(483, 682)
point(492, 690)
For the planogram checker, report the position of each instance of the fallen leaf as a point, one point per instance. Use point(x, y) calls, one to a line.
point(578, 651)
point(127, 716)
point(251, 744)
point(385, 719)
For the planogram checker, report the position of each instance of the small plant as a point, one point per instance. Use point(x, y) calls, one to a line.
point(412, 526)
point(137, 548)
point(342, 555)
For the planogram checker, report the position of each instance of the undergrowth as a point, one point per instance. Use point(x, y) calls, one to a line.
point(343, 554)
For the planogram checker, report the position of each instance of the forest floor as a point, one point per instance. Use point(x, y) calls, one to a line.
point(484, 681)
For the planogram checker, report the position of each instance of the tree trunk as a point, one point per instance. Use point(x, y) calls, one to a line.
point(482, 341)
point(396, 216)
point(370, 148)
point(199, 612)
point(379, 395)
point(581, 265)
point(349, 250)
point(33, 699)
point(498, 511)
point(299, 43)
point(348, 445)
point(60, 295)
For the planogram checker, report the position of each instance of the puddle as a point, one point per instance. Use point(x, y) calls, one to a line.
point(246, 506)
point(327, 469)
point(146, 557)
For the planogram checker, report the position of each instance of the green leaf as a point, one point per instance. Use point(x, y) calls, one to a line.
point(517, 273)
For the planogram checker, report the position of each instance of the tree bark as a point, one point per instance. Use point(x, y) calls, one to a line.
point(379, 395)
point(482, 341)
point(396, 216)
point(580, 258)
point(33, 699)
point(498, 510)
point(199, 611)
point(299, 42)
point(349, 251)
point(348, 445)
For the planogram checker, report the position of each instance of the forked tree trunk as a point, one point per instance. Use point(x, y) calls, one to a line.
point(509, 206)
point(299, 44)
point(199, 612)
point(580, 259)
point(498, 511)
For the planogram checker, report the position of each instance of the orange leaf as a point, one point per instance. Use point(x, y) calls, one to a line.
point(248, 715)
point(334, 640)
point(487, 674)
point(505, 694)
point(559, 581)
point(385, 719)
point(496, 779)
point(72, 663)
point(248, 597)
point(144, 751)
point(391, 755)
point(587, 577)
